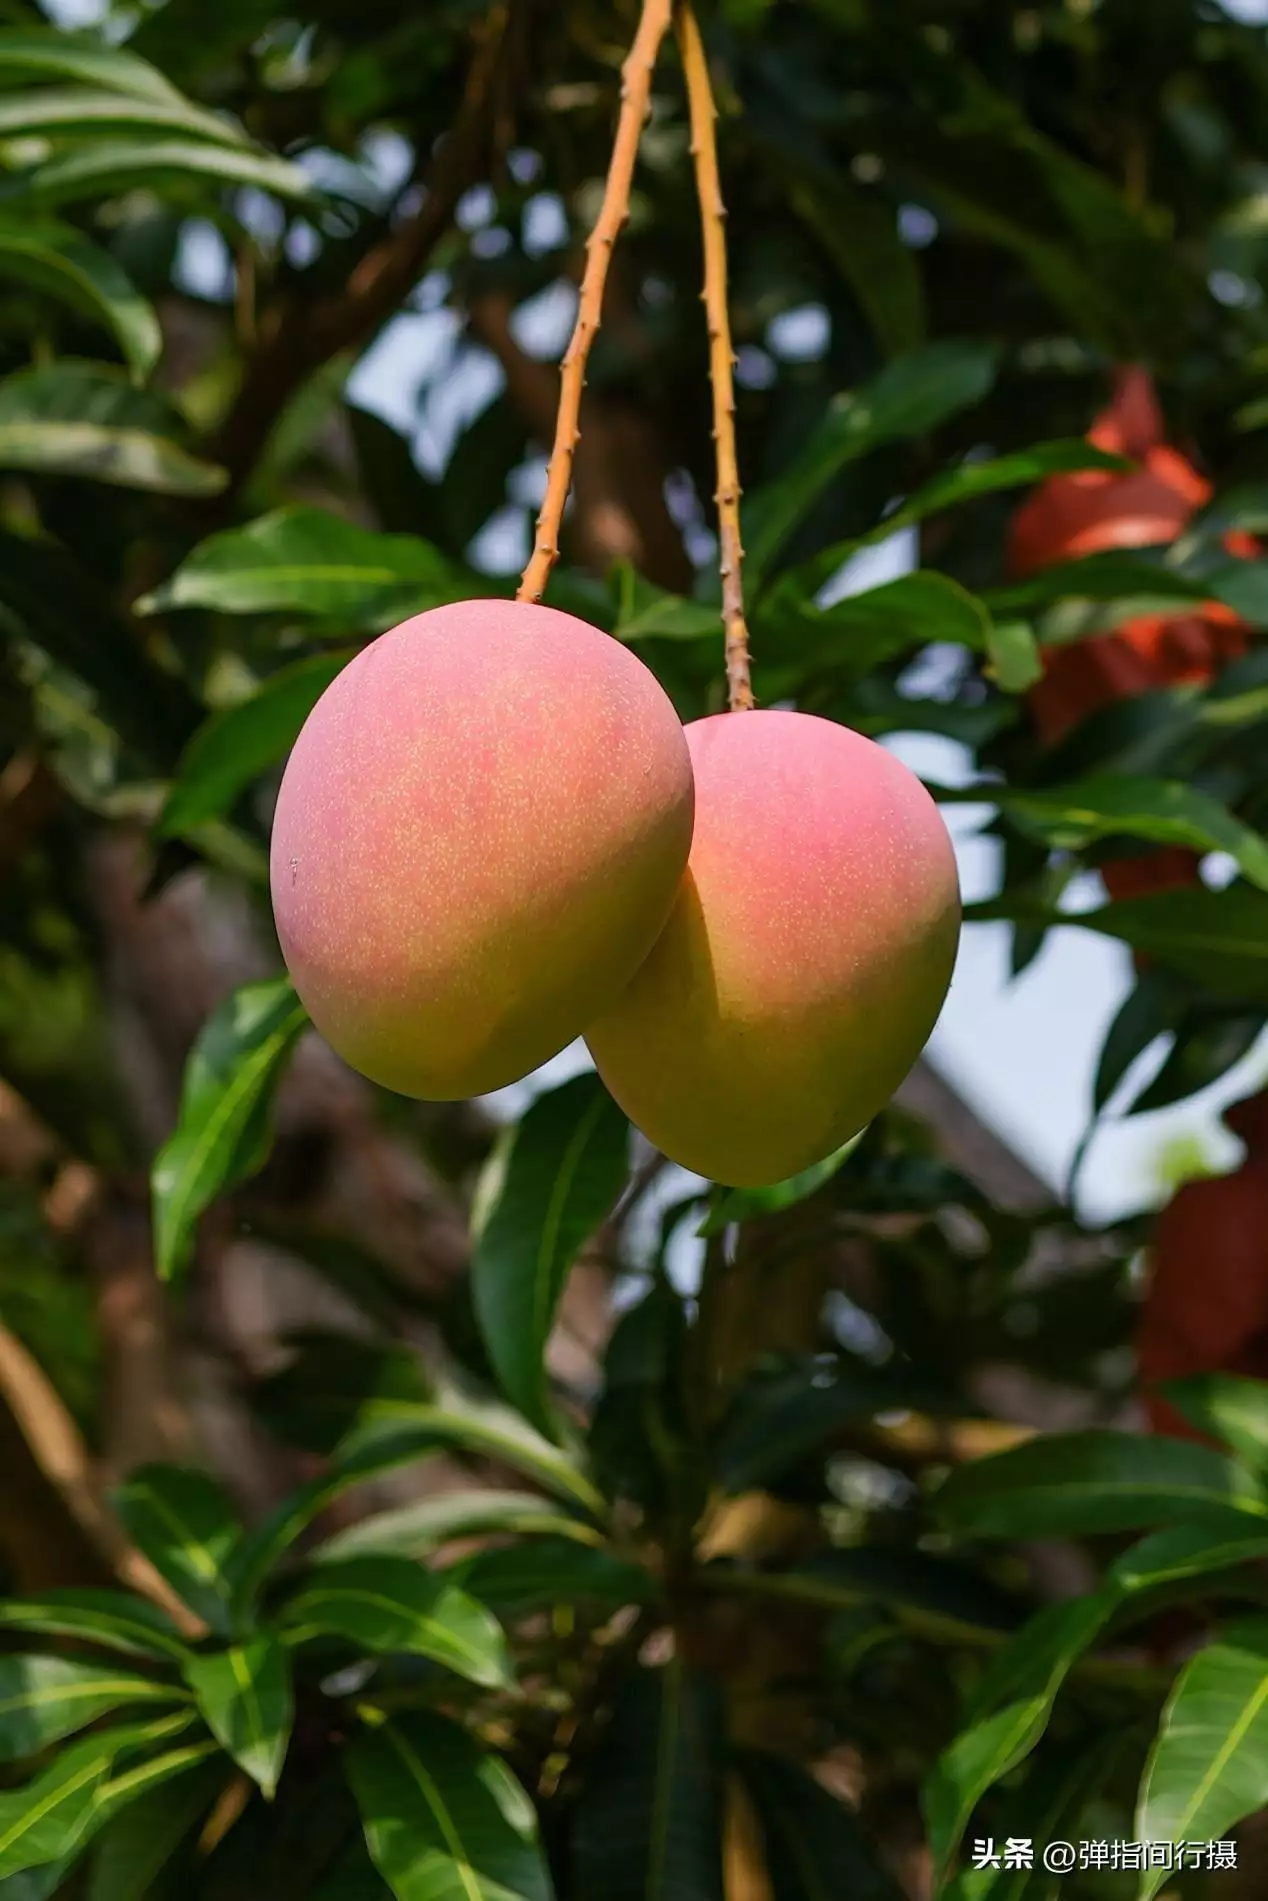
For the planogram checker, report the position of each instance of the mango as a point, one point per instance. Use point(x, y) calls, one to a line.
point(805, 962)
point(479, 835)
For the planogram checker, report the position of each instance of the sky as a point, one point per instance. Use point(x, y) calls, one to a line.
point(1021, 1052)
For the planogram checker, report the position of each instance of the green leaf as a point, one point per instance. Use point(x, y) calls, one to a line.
point(522, 1579)
point(55, 110)
point(1185, 1551)
point(48, 53)
point(862, 631)
point(50, 1817)
point(566, 1165)
point(1209, 1765)
point(649, 1819)
point(393, 1432)
point(645, 612)
point(412, 1531)
point(245, 1696)
point(110, 167)
point(781, 1416)
point(910, 397)
point(44, 1698)
point(1009, 1715)
point(384, 1603)
point(140, 1840)
point(1014, 663)
point(113, 1619)
point(860, 236)
point(224, 1132)
point(1148, 1012)
point(815, 1847)
point(1206, 1047)
point(1230, 1409)
point(1071, 817)
point(185, 1526)
point(96, 452)
point(1069, 1484)
point(305, 561)
point(58, 260)
point(444, 1818)
point(750, 1204)
point(236, 745)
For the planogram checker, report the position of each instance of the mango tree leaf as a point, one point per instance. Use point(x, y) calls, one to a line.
point(48, 53)
point(245, 1697)
point(864, 630)
point(186, 1527)
point(353, 1878)
point(239, 743)
point(305, 561)
point(1010, 1713)
point(1071, 817)
point(559, 1180)
point(815, 1848)
point(649, 1820)
point(911, 396)
point(1071, 1484)
point(1206, 1047)
point(81, 420)
point(780, 1417)
point(750, 1204)
point(412, 1531)
point(54, 110)
point(57, 260)
point(1014, 662)
point(109, 167)
point(50, 1817)
point(43, 1698)
point(443, 1817)
point(1149, 1011)
point(140, 1840)
point(36, 1884)
point(384, 1603)
point(114, 1619)
point(860, 236)
point(521, 1579)
point(224, 1133)
point(645, 612)
point(1230, 1409)
point(1209, 1765)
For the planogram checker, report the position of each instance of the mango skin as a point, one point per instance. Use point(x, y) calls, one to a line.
point(805, 962)
point(479, 835)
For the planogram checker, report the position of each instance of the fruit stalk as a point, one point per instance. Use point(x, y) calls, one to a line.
point(704, 152)
point(636, 86)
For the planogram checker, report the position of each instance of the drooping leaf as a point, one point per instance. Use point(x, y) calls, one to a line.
point(815, 1848)
point(412, 1531)
point(1147, 1012)
point(649, 1821)
point(245, 1697)
point(43, 1698)
point(236, 745)
point(56, 260)
point(559, 1180)
point(28, 53)
point(1185, 1551)
point(1209, 1765)
point(864, 630)
point(102, 168)
point(51, 1817)
point(224, 1132)
point(1205, 1048)
point(54, 110)
point(114, 1619)
point(1229, 1408)
point(142, 1838)
point(185, 1526)
point(911, 396)
point(443, 1817)
point(305, 561)
point(1073, 1483)
point(96, 452)
point(386, 1603)
point(1165, 812)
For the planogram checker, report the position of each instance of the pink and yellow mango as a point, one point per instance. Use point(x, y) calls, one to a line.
point(805, 961)
point(479, 836)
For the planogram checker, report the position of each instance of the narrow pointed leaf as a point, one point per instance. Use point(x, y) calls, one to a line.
point(444, 1819)
point(385, 1603)
point(1230, 1409)
point(43, 1698)
point(305, 561)
point(48, 53)
point(1074, 1483)
point(186, 1527)
point(650, 1818)
point(815, 1848)
point(567, 1163)
point(52, 1815)
point(109, 167)
point(137, 1844)
point(58, 261)
point(1163, 811)
point(224, 1132)
point(79, 109)
point(245, 1697)
point(236, 745)
point(1209, 1765)
point(113, 1619)
point(125, 458)
point(540, 1573)
point(413, 1531)
point(750, 1204)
